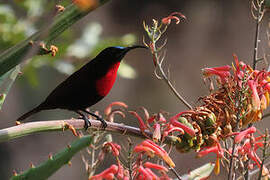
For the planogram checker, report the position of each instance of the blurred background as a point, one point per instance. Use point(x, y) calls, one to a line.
point(213, 31)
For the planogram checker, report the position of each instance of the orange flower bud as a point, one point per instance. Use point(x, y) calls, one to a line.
point(86, 4)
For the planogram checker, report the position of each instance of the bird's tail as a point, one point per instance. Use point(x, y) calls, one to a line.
point(33, 111)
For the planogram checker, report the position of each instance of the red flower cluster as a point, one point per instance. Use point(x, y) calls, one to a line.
point(253, 84)
point(160, 128)
point(249, 148)
point(140, 170)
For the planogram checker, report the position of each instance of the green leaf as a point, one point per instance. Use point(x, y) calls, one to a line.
point(200, 173)
point(6, 82)
point(14, 55)
point(49, 167)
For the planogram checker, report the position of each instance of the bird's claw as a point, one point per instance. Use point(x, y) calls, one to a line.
point(87, 122)
point(103, 123)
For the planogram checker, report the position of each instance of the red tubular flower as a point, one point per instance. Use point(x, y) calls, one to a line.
point(221, 68)
point(167, 20)
point(120, 173)
point(215, 149)
point(266, 85)
point(126, 175)
point(255, 96)
point(147, 150)
point(145, 174)
point(108, 109)
point(151, 144)
point(115, 148)
point(107, 174)
point(244, 133)
point(238, 74)
point(151, 119)
point(155, 166)
point(156, 133)
point(145, 112)
point(249, 150)
point(267, 96)
point(174, 121)
point(150, 147)
point(222, 72)
point(142, 125)
point(152, 174)
point(161, 118)
point(171, 129)
point(165, 177)
point(207, 150)
point(263, 102)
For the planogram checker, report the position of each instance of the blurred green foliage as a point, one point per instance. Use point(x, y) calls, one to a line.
point(22, 18)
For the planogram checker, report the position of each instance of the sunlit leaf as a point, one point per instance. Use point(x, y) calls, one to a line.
point(6, 82)
point(200, 173)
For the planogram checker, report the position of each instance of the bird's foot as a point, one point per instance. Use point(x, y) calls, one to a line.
point(87, 122)
point(103, 122)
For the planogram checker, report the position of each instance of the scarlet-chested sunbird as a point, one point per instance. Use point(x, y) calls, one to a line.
point(87, 86)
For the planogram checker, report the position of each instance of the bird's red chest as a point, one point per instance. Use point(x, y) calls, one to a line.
point(105, 83)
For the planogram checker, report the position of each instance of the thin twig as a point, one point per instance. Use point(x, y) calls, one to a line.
point(231, 162)
point(167, 81)
point(265, 146)
point(175, 173)
point(239, 106)
point(255, 61)
point(257, 33)
point(129, 158)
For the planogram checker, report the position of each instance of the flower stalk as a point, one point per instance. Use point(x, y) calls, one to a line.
point(154, 34)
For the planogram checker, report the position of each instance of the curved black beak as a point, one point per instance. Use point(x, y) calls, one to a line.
point(127, 49)
point(134, 47)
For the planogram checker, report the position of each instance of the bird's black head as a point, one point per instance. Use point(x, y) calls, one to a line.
point(116, 53)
